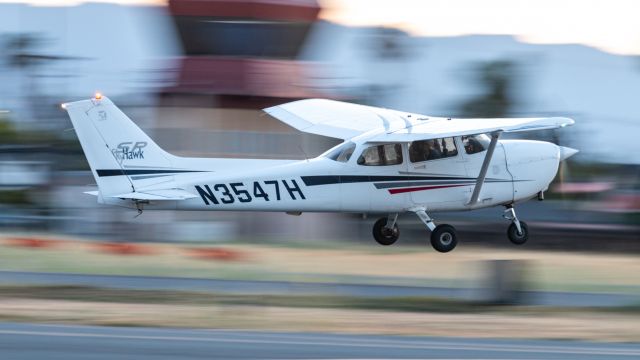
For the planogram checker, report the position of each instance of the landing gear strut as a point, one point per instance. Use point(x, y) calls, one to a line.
point(518, 231)
point(443, 237)
point(386, 230)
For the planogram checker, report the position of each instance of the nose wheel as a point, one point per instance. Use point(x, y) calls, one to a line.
point(386, 231)
point(518, 231)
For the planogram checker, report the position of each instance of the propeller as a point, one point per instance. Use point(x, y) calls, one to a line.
point(564, 153)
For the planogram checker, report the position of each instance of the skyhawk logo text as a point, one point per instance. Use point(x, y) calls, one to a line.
point(128, 150)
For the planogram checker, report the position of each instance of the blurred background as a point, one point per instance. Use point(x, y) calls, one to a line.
point(194, 74)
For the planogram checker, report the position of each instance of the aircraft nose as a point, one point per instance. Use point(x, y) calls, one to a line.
point(566, 152)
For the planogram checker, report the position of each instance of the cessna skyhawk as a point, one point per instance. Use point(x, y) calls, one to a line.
point(390, 162)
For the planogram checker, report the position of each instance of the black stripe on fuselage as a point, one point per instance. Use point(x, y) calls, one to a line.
point(119, 172)
point(345, 179)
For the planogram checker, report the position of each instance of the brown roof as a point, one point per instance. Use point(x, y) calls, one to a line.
point(246, 77)
point(290, 10)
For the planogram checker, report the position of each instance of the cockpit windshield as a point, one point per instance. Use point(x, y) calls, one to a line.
point(341, 153)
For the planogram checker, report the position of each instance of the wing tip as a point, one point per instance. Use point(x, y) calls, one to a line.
point(565, 121)
point(280, 106)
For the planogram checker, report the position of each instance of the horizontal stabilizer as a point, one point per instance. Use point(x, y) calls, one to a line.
point(167, 194)
point(94, 193)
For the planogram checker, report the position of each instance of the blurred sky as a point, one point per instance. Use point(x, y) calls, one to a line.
point(610, 25)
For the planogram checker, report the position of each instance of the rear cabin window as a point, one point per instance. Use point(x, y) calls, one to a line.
point(432, 149)
point(381, 155)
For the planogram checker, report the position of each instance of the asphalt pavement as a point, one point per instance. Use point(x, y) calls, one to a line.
point(34, 341)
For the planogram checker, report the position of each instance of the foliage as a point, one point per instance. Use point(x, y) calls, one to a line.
point(8, 133)
point(497, 81)
point(14, 197)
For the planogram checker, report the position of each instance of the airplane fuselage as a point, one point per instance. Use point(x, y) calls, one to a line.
point(519, 170)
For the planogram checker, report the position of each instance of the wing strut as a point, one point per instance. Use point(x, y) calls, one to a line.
point(485, 166)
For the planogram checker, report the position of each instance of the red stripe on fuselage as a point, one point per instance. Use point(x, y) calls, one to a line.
point(406, 190)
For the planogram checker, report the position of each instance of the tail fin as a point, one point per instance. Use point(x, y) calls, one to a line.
point(117, 150)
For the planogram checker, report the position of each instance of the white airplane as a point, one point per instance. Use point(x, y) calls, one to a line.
point(390, 162)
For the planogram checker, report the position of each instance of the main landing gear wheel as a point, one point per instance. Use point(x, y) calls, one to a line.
point(518, 237)
point(444, 238)
point(384, 235)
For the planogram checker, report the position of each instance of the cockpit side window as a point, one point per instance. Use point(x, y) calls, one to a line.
point(381, 155)
point(475, 143)
point(432, 149)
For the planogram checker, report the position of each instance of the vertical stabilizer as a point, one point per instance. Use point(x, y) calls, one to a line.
point(115, 147)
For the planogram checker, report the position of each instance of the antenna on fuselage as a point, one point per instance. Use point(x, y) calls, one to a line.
point(305, 154)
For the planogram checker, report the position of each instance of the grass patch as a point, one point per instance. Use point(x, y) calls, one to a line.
point(409, 266)
point(164, 297)
point(329, 314)
point(93, 294)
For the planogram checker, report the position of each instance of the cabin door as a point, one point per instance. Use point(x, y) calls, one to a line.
point(437, 174)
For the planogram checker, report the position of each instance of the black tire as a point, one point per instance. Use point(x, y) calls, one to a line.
point(515, 237)
point(444, 238)
point(383, 235)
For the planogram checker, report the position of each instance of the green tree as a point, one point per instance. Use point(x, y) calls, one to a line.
point(497, 81)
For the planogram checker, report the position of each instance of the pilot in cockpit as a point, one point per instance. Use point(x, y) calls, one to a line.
point(472, 145)
point(433, 149)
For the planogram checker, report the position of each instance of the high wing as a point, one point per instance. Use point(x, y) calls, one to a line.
point(345, 121)
point(433, 128)
point(338, 119)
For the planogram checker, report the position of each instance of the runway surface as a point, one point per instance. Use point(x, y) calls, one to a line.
point(31, 341)
point(541, 298)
